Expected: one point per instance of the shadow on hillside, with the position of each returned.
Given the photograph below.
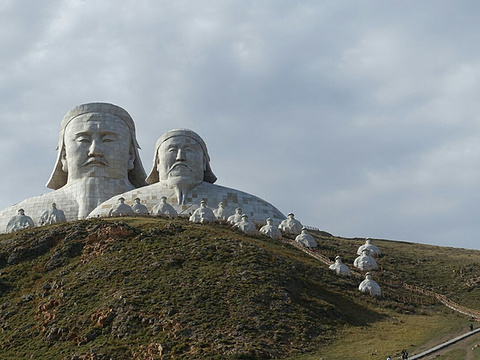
(353, 313)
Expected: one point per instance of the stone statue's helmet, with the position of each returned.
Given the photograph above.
(136, 176)
(208, 175)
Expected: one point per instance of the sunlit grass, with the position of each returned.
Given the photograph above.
(389, 337)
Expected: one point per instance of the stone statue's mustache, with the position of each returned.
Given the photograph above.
(95, 160)
(178, 163)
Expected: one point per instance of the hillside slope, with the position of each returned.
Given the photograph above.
(150, 288)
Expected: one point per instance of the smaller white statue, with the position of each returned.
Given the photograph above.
(52, 216)
(138, 208)
(164, 208)
(233, 219)
(246, 226)
(365, 262)
(339, 267)
(373, 250)
(221, 213)
(270, 229)
(306, 239)
(370, 286)
(290, 225)
(19, 222)
(203, 214)
(121, 209)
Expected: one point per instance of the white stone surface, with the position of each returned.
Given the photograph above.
(373, 250)
(291, 225)
(269, 229)
(181, 172)
(52, 216)
(221, 212)
(246, 226)
(164, 208)
(121, 209)
(339, 267)
(203, 214)
(365, 262)
(369, 286)
(97, 159)
(306, 239)
(138, 208)
(19, 222)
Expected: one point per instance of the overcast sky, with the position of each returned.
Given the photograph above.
(361, 117)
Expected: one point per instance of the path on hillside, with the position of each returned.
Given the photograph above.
(439, 297)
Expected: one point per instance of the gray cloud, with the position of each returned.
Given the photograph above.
(359, 117)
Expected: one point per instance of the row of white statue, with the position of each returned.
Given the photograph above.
(22, 221)
(364, 262)
(203, 214)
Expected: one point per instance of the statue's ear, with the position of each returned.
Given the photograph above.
(63, 159)
(205, 160)
(131, 159)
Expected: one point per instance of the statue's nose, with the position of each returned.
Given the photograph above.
(95, 149)
(180, 155)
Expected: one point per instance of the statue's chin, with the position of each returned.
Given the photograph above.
(181, 182)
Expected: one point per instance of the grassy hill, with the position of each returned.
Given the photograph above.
(151, 288)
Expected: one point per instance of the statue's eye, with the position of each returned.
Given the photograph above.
(108, 138)
(83, 139)
(172, 149)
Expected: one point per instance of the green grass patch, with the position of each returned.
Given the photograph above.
(138, 288)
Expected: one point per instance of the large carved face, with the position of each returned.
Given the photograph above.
(97, 145)
(181, 162)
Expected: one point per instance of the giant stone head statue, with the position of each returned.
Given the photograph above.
(97, 140)
(181, 159)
